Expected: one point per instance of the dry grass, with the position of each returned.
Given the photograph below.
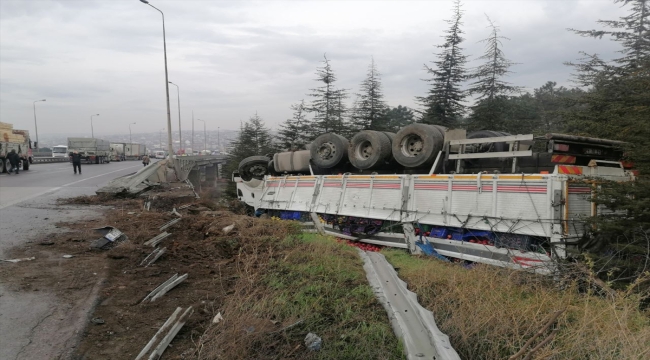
(287, 289)
(489, 313)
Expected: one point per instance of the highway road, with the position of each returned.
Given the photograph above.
(38, 325)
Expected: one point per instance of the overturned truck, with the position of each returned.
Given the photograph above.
(516, 201)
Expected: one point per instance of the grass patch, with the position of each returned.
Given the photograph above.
(305, 283)
(490, 312)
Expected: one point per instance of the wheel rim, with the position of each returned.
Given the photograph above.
(412, 145)
(364, 150)
(257, 170)
(327, 151)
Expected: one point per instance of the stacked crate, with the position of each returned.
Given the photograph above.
(8, 134)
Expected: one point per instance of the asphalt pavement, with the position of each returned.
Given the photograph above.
(32, 324)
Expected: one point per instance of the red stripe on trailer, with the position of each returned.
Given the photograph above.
(386, 186)
(273, 184)
(579, 190)
(522, 189)
(464, 188)
(289, 184)
(430, 187)
(358, 186)
(333, 184)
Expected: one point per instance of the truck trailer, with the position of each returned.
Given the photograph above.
(134, 151)
(14, 139)
(486, 199)
(92, 150)
(117, 151)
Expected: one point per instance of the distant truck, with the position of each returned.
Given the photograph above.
(117, 151)
(92, 150)
(134, 151)
(17, 140)
(60, 151)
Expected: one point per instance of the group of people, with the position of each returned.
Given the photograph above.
(14, 161)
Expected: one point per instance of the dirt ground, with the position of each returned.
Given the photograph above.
(121, 325)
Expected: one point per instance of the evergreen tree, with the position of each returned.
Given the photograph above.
(370, 106)
(443, 104)
(617, 106)
(293, 134)
(492, 91)
(325, 102)
(398, 117)
(632, 31)
(254, 138)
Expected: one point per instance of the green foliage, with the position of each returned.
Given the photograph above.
(253, 139)
(398, 117)
(443, 105)
(328, 105)
(369, 112)
(293, 133)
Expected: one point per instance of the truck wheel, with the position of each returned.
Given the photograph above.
(328, 150)
(254, 167)
(418, 144)
(489, 147)
(369, 149)
(25, 164)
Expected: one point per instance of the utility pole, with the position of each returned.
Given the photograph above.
(35, 125)
(192, 142)
(180, 136)
(92, 131)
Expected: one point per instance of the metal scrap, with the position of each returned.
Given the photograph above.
(171, 327)
(151, 258)
(19, 260)
(169, 223)
(174, 212)
(153, 242)
(111, 235)
(163, 288)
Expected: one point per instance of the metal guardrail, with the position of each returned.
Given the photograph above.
(43, 160)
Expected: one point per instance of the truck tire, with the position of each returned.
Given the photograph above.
(254, 167)
(328, 150)
(417, 145)
(369, 149)
(493, 147)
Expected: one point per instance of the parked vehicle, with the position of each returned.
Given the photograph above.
(92, 150)
(117, 151)
(484, 197)
(13, 139)
(60, 151)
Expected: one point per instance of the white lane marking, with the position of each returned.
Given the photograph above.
(59, 187)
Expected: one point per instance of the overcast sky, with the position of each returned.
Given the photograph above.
(232, 58)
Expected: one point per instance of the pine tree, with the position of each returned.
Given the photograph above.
(341, 124)
(325, 102)
(370, 108)
(492, 91)
(254, 138)
(293, 134)
(444, 103)
(632, 31)
(398, 117)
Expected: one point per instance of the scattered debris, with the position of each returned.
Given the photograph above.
(184, 206)
(165, 287)
(169, 223)
(67, 256)
(217, 319)
(147, 205)
(151, 258)
(172, 326)
(46, 242)
(19, 260)
(130, 213)
(313, 342)
(228, 229)
(174, 212)
(153, 242)
(111, 235)
(98, 321)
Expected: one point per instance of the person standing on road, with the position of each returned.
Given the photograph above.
(146, 160)
(76, 161)
(14, 161)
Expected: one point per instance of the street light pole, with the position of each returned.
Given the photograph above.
(169, 118)
(130, 140)
(36, 126)
(180, 136)
(205, 137)
(192, 142)
(92, 131)
(218, 141)
(160, 135)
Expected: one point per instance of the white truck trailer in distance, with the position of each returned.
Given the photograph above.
(92, 150)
